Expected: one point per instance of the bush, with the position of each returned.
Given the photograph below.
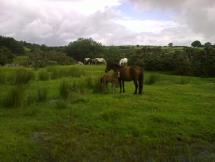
(152, 79)
(21, 60)
(15, 97)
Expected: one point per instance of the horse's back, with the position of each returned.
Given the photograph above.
(131, 73)
(136, 71)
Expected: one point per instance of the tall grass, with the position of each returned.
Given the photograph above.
(41, 94)
(43, 75)
(56, 73)
(21, 76)
(64, 89)
(2, 77)
(15, 97)
(95, 86)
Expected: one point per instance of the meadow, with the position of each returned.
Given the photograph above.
(61, 113)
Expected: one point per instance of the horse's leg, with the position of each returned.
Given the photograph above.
(136, 86)
(123, 85)
(120, 85)
(141, 83)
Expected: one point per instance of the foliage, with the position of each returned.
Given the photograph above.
(6, 57)
(15, 97)
(14, 46)
(82, 48)
(196, 44)
(184, 61)
(21, 60)
(152, 79)
(41, 59)
(208, 44)
(170, 44)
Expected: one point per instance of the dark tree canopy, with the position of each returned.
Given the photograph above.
(6, 56)
(196, 43)
(82, 48)
(14, 46)
(170, 44)
(208, 44)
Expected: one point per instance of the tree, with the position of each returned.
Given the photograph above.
(170, 44)
(82, 48)
(196, 43)
(5, 56)
(14, 46)
(208, 44)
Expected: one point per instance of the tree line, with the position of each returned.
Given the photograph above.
(30, 54)
(197, 60)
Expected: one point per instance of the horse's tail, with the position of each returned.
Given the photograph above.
(141, 82)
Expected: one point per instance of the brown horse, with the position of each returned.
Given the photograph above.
(109, 78)
(128, 73)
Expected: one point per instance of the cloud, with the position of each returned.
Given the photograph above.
(57, 22)
(196, 15)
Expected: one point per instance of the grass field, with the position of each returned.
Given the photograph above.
(60, 114)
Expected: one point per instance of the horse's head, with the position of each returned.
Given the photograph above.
(111, 66)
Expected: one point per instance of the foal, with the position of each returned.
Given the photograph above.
(109, 78)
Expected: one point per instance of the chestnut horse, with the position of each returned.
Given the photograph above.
(109, 78)
(128, 73)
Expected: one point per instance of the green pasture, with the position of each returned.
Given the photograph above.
(61, 113)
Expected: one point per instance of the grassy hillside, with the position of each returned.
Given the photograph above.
(60, 114)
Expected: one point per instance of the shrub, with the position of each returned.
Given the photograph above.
(15, 97)
(152, 79)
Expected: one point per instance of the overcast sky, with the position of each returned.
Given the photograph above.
(111, 22)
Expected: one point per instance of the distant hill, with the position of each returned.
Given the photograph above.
(22, 47)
